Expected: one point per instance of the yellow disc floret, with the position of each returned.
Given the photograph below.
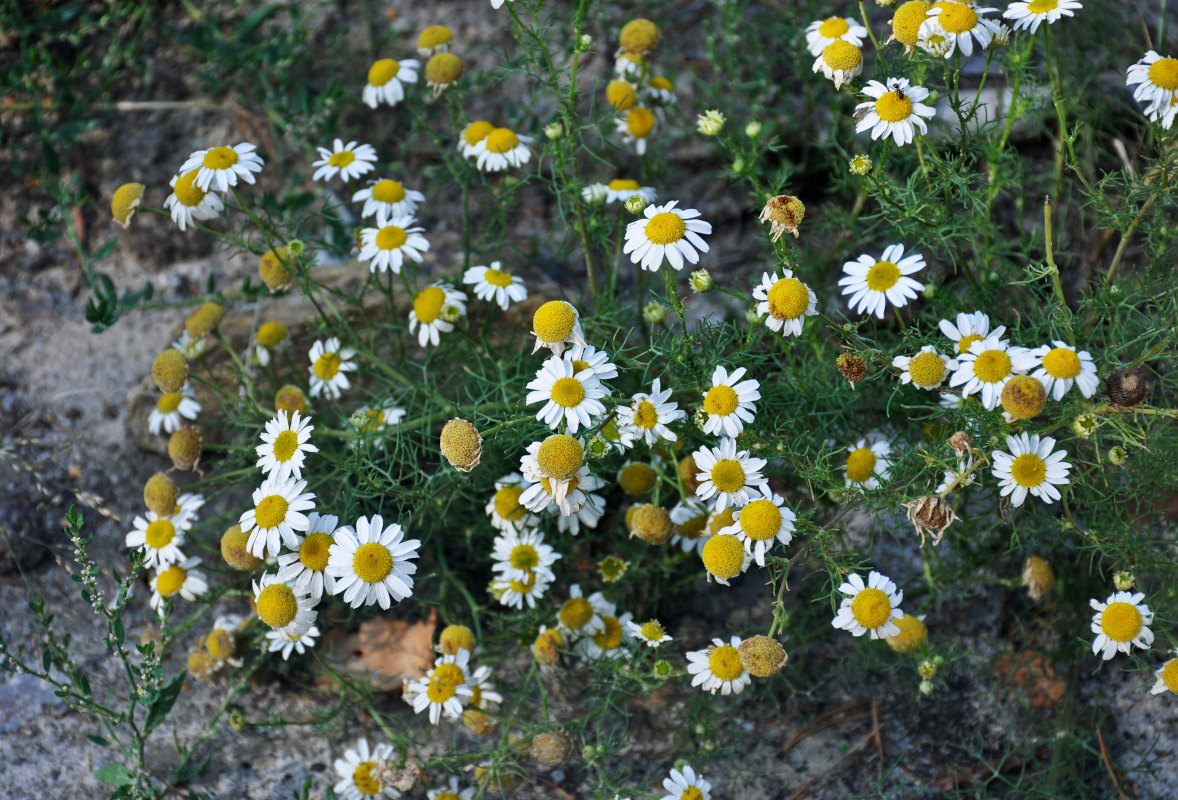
(1121, 622)
(277, 605)
(171, 580)
(1163, 73)
(502, 140)
(882, 276)
(728, 475)
(907, 20)
(219, 158)
(567, 392)
(290, 398)
(956, 18)
(159, 533)
(842, 56)
(271, 511)
(170, 371)
(833, 28)
(554, 321)
(861, 465)
(186, 190)
(1023, 396)
(454, 638)
(159, 494)
(362, 778)
(1061, 362)
(639, 122)
(637, 479)
(233, 550)
(724, 662)
(926, 369)
(461, 444)
(271, 334)
(315, 551)
(991, 366)
(665, 228)
(373, 562)
(560, 456)
(427, 306)
(443, 69)
(274, 269)
(620, 95)
(762, 656)
(391, 237)
(575, 613)
(388, 191)
(184, 448)
(476, 131)
(611, 637)
(871, 607)
(760, 520)
(721, 400)
(650, 523)
(1170, 675)
(1028, 470)
(125, 201)
(434, 36)
(788, 299)
(723, 556)
(893, 106)
(912, 636)
(639, 36)
(383, 71)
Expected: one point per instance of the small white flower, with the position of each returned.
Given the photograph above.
(987, 367)
(218, 168)
(506, 511)
(969, 328)
(730, 402)
(821, 33)
(648, 415)
(727, 475)
(716, 668)
(429, 312)
(330, 365)
(1167, 677)
(925, 370)
(666, 233)
(868, 462)
(1049, 11)
(686, 785)
(495, 285)
(895, 110)
(960, 24)
(277, 516)
(760, 522)
(285, 443)
(650, 632)
(503, 148)
(555, 324)
(188, 203)
(445, 689)
(372, 564)
(620, 190)
(171, 409)
(1059, 366)
(872, 284)
(388, 199)
(388, 246)
(160, 538)
(387, 79)
(1121, 623)
(871, 607)
(183, 579)
(569, 396)
(1030, 468)
(517, 554)
(305, 569)
(349, 161)
(279, 642)
(786, 301)
(360, 772)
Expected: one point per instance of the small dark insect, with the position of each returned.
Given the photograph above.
(898, 89)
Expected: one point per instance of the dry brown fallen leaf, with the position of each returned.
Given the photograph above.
(389, 651)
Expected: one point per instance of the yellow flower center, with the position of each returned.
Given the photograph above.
(871, 608)
(124, 202)
(760, 520)
(327, 365)
(451, 795)
(220, 158)
(159, 534)
(388, 191)
(639, 122)
(383, 71)
(1170, 675)
(912, 636)
(956, 18)
(1042, 6)
(271, 511)
(842, 56)
(728, 475)
(620, 95)
(277, 605)
(720, 400)
(721, 520)
(433, 36)
(1028, 470)
(390, 237)
(507, 503)
(906, 22)
(443, 69)
(860, 465)
(693, 528)
(373, 562)
(525, 585)
(833, 27)
(168, 403)
(315, 551)
(611, 637)
(788, 299)
(271, 334)
(1121, 622)
(724, 662)
(966, 342)
(665, 228)
(497, 277)
(219, 644)
(502, 140)
(882, 276)
(560, 456)
(286, 444)
(451, 674)
(186, 190)
(893, 107)
(440, 691)
(567, 392)
(1061, 363)
(171, 580)
(661, 84)
(652, 631)
(477, 131)
(645, 415)
(575, 613)
(554, 321)
(927, 369)
(524, 556)
(636, 479)
(1163, 73)
(992, 366)
(362, 777)
(692, 793)
(624, 185)
(341, 159)
(428, 304)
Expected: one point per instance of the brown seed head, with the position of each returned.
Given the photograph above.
(461, 444)
(233, 550)
(854, 368)
(784, 214)
(931, 515)
(1038, 577)
(650, 523)
(1128, 387)
(762, 656)
(551, 748)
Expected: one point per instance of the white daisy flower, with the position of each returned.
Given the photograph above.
(305, 568)
(689, 519)
(330, 365)
(494, 285)
(349, 161)
(388, 246)
(607, 642)
(1029, 15)
(360, 772)
(840, 62)
(961, 24)
(171, 409)
(717, 668)
(987, 367)
(635, 128)
(371, 421)
(580, 615)
(183, 579)
(1060, 366)
(727, 476)
(159, 538)
(285, 443)
(651, 632)
(555, 324)
(1030, 468)
(434, 310)
(559, 460)
(666, 234)
(648, 415)
(506, 511)
(184, 515)
(925, 370)
(630, 66)
(589, 514)
(870, 608)
(445, 689)
(586, 357)
(277, 516)
(730, 402)
(1156, 79)
(270, 338)
(514, 593)
(372, 563)
(760, 522)
(568, 498)
(474, 137)
(279, 642)
(519, 553)
(482, 691)
(658, 92)
(1167, 677)
(452, 792)
(188, 203)
(503, 148)
(786, 301)
(569, 396)
(388, 199)
(218, 168)
(895, 110)
(868, 462)
(1120, 623)
(387, 79)
(872, 284)
(822, 33)
(620, 190)
(686, 785)
(970, 328)
(191, 348)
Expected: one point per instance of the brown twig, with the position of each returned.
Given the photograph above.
(832, 718)
(1108, 764)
